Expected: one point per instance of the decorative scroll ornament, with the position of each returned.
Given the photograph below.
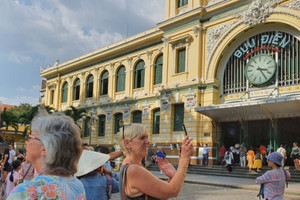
(146, 110)
(165, 102)
(257, 12)
(126, 113)
(295, 5)
(108, 114)
(214, 35)
(190, 99)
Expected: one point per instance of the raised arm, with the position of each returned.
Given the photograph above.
(138, 178)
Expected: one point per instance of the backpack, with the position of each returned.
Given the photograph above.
(226, 157)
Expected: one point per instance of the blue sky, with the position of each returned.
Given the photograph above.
(35, 33)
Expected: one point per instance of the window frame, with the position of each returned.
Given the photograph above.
(139, 75)
(64, 92)
(156, 124)
(158, 69)
(104, 83)
(101, 131)
(178, 109)
(120, 79)
(180, 69)
(118, 117)
(76, 90)
(137, 116)
(89, 86)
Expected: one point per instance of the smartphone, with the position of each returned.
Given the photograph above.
(184, 129)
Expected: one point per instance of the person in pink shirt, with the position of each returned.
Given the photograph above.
(12, 179)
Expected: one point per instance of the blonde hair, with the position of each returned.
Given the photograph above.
(130, 132)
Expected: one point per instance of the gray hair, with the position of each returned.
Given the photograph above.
(130, 132)
(61, 139)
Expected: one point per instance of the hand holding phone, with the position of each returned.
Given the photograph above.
(184, 129)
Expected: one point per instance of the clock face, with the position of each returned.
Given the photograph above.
(260, 69)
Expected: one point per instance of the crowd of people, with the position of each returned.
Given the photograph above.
(58, 166)
(255, 158)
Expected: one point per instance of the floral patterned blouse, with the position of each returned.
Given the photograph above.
(49, 187)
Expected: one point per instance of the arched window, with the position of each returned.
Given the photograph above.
(102, 119)
(89, 87)
(104, 83)
(156, 121)
(139, 73)
(118, 118)
(285, 52)
(76, 90)
(137, 117)
(121, 79)
(158, 70)
(64, 93)
(87, 127)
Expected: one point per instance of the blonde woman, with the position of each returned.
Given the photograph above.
(136, 182)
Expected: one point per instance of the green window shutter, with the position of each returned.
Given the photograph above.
(178, 116)
(181, 60)
(104, 83)
(76, 90)
(89, 87)
(65, 93)
(139, 74)
(102, 121)
(87, 127)
(118, 117)
(137, 117)
(121, 79)
(156, 121)
(158, 70)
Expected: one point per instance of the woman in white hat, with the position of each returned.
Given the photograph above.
(97, 181)
(274, 180)
(54, 149)
(136, 182)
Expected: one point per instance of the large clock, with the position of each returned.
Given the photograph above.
(260, 69)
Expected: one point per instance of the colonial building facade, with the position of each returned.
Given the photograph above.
(228, 69)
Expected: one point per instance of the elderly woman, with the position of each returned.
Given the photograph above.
(136, 182)
(53, 148)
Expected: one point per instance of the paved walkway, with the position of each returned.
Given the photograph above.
(231, 182)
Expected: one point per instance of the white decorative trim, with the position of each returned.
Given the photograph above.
(126, 112)
(190, 99)
(257, 12)
(295, 5)
(146, 109)
(165, 102)
(108, 114)
(196, 30)
(165, 40)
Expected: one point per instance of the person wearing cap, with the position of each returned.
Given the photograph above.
(136, 182)
(274, 180)
(53, 148)
(97, 181)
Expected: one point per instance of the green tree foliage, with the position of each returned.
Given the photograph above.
(75, 113)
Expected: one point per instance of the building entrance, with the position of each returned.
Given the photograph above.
(249, 133)
(261, 132)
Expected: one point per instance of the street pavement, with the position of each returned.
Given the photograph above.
(222, 187)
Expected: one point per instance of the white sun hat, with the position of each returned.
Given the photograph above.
(89, 161)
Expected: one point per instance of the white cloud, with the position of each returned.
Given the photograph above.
(20, 89)
(35, 88)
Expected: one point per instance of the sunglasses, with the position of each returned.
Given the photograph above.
(29, 137)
